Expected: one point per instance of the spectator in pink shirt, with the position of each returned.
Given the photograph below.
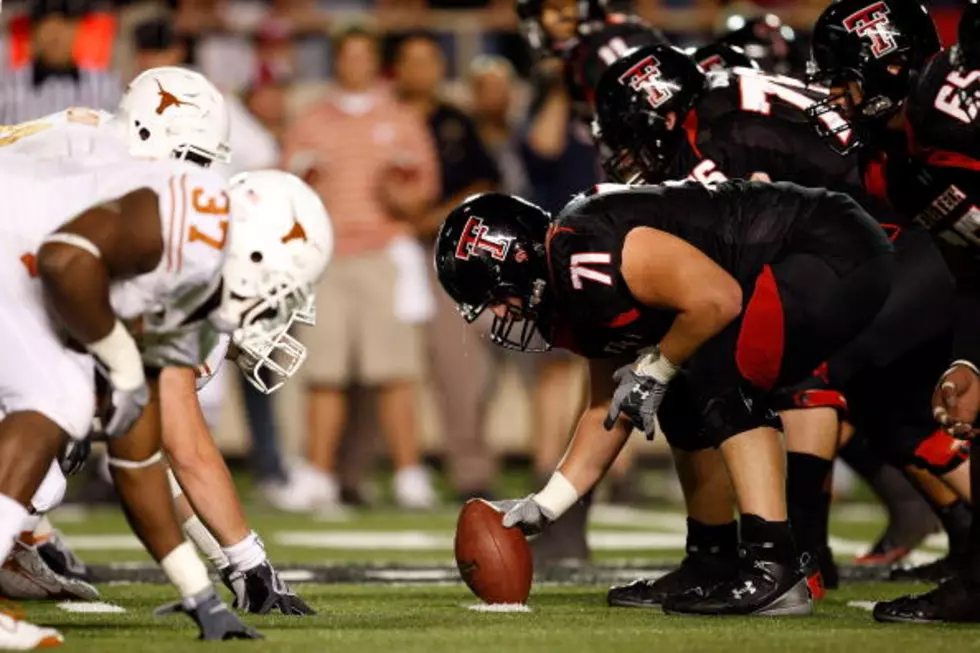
(374, 166)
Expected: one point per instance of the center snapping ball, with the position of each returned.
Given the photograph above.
(495, 562)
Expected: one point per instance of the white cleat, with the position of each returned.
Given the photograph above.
(19, 635)
(25, 576)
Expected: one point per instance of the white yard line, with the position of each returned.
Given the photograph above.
(91, 607)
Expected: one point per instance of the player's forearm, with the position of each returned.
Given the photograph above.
(692, 328)
(196, 461)
(77, 287)
(592, 449)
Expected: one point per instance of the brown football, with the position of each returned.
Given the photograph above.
(495, 562)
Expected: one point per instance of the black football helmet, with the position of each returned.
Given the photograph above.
(764, 39)
(968, 52)
(719, 56)
(529, 13)
(878, 44)
(491, 250)
(633, 101)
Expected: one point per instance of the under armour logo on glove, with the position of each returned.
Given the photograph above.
(638, 398)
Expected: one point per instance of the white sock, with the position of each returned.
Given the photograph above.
(195, 529)
(185, 570)
(247, 554)
(12, 516)
(44, 529)
(30, 523)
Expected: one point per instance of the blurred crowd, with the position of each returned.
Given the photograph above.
(393, 112)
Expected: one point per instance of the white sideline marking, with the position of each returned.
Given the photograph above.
(430, 541)
(296, 575)
(412, 575)
(90, 607)
(498, 607)
(862, 605)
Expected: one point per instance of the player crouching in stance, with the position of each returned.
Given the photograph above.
(87, 244)
(702, 302)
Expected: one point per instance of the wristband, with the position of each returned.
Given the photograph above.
(557, 496)
(655, 365)
(119, 353)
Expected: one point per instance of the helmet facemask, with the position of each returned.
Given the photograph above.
(837, 120)
(268, 354)
(638, 155)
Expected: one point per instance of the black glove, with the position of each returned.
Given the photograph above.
(265, 592)
(211, 615)
(234, 580)
(637, 397)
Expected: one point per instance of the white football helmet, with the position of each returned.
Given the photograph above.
(280, 242)
(175, 112)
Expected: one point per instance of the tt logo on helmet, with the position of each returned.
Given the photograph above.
(872, 23)
(645, 77)
(475, 238)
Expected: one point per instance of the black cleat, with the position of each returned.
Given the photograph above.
(61, 559)
(266, 592)
(212, 616)
(828, 568)
(933, 572)
(698, 573)
(760, 587)
(951, 602)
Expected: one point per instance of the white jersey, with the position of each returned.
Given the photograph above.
(56, 168)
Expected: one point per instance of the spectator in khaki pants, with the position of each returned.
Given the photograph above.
(373, 164)
(467, 169)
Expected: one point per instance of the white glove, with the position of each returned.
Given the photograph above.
(121, 363)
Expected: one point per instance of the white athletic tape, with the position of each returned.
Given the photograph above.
(136, 464)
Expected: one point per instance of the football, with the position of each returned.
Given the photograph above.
(495, 562)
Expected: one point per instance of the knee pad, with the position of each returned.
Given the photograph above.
(734, 412)
(812, 392)
(51, 492)
(941, 453)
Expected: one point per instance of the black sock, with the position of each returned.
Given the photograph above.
(769, 540)
(716, 540)
(807, 499)
(956, 518)
(860, 457)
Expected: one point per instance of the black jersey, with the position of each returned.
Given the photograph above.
(740, 225)
(942, 128)
(748, 121)
(599, 46)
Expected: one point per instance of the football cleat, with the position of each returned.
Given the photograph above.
(760, 588)
(25, 575)
(19, 635)
(61, 559)
(265, 592)
(698, 573)
(934, 572)
(951, 602)
(211, 615)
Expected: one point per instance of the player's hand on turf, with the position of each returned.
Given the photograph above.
(956, 400)
(213, 617)
(266, 592)
(525, 514)
(637, 397)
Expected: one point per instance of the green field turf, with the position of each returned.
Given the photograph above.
(380, 619)
(433, 618)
